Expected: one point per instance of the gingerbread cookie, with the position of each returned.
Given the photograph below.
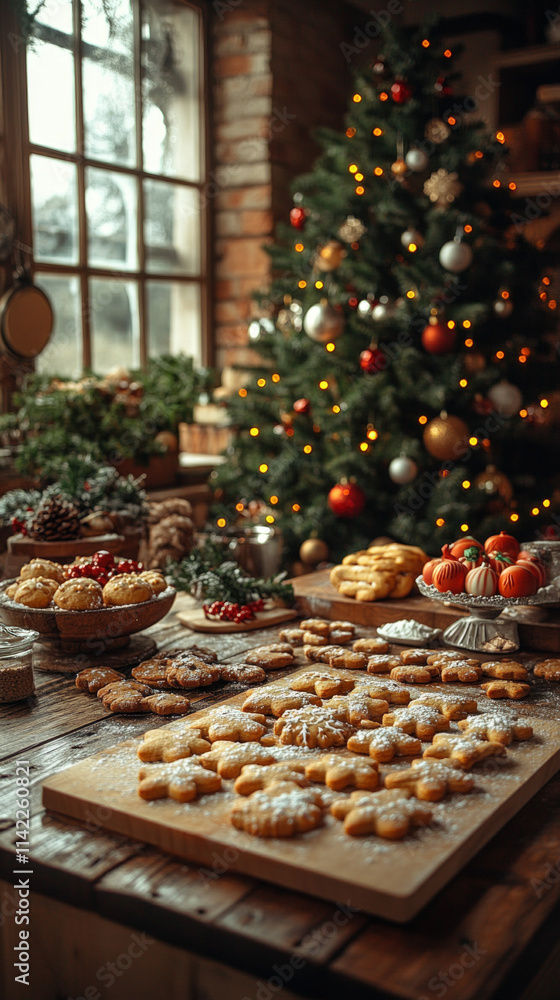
(383, 664)
(421, 720)
(465, 750)
(171, 744)
(185, 670)
(340, 636)
(281, 810)
(125, 696)
(384, 743)
(416, 657)
(505, 670)
(275, 700)
(126, 588)
(506, 689)
(292, 636)
(153, 673)
(272, 657)
(496, 727)
(201, 653)
(44, 568)
(312, 639)
(336, 656)
(391, 691)
(338, 772)
(322, 684)
(371, 646)
(227, 723)
(93, 678)
(549, 669)
(77, 595)
(414, 674)
(183, 780)
(320, 626)
(461, 672)
(228, 758)
(453, 706)
(441, 657)
(241, 673)
(166, 703)
(390, 814)
(313, 727)
(253, 777)
(359, 706)
(431, 780)
(37, 592)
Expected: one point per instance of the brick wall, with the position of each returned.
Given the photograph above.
(278, 74)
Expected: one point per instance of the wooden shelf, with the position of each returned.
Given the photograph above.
(537, 182)
(530, 56)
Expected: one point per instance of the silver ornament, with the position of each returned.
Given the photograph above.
(503, 308)
(383, 309)
(412, 237)
(403, 470)
(351, 230)
(505, 397)
(322, 322)
(260, 327)
(416, 160)
(455, 256)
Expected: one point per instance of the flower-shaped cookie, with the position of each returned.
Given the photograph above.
(321, 683)
(465, 750)
(171, 744)
(228, 758)
(422, 720)
(281, 810)
(358, 706)
(275, 699)
(389, 814)
(183, 780)
(253, 777)
(453, 706)
(337, 772)
(431, 779)
(497, 727)
(384, 743)
(227, 723)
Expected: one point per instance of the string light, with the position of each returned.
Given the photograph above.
(546, 280)
(523, 414)
(469, 342)
(425, 43)
(296, 507)
(358, 177)
(378, 171)
(500, 355)
(360, 189)
(318, 284)
(384, 96)
(473, 441)
(364, 446)
(307, 449)
(451, 324)
(273, 499)
(544, 403)
(479, 154)
(496, 183)
(254, 432)
(505, 294)
(357, 98)
(500, 137)
(448, 53)
(372, 434)
(552, 304)
(275, 377)
(514, 517)
(350, 132)
(546, 503)
(330, 347)
(242, 393)
(467, 228)
(323, 384)
(522, 359)
(466, 484)
(289, 432)
(467, 324)
(221, 522)
(316, 429)
(411, 294)
(535, 511)
(464, 527)
(512, 186)
(451, 120)
(263, 467)
(353, 168)
(269, 519)
(302, 284)
(336, 408)
(412, 247)
(463, 383)
(486, 442)
(261, 382)
(440, 522)
(299, 247)
(422, 420)
(377, 131)
(239, 507)
(355, 246)
(543, 296)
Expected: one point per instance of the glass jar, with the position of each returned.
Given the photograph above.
(16, 663)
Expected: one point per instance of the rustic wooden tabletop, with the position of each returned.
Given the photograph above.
(493, 932)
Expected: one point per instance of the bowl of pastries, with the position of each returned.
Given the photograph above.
(95, 597)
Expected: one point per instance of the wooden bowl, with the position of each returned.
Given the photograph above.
(105, 628)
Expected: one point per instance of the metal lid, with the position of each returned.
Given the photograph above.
(15, 640)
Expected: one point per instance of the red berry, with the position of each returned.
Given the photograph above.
(103, 558)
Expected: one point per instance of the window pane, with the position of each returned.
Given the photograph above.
(171, 119)
(171, 228)
(54, 14)
(173, 318)
(108, 82)
(115, 336)
(53, 200)
(50, 93)
(63, 353)
(111, 206)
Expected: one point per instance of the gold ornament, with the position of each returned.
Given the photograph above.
(436, 131)
(351, 230)
(399, 168)
(474, 362)
(313, 551)
(442, 187)
(330, 256)
(491, 481)
(446, 437)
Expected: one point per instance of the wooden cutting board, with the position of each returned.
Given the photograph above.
(389, 879)
(197, 620)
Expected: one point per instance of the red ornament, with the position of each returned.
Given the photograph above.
(481, 582)
(517, 581)
(502, 543)
(298, 217)
(346, 500)
(437, 338)
(372, 360)
(302, 406)
(459, 547)
(442, 87)
(401, 92)
(534, 564)
(428, 570)
(450, 575)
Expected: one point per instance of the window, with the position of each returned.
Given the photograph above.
(112, 166)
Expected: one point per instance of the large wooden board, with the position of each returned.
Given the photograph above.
(197, 620)
(316, 596)
(392, 880)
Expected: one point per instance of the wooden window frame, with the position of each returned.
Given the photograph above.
(17, 180)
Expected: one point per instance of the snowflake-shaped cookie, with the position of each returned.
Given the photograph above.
(313, 727)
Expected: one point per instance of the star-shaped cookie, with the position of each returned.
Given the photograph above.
(183, 780)
(337, 772)
(453, 706)
(497, 727)
(253, 777)
(431, 779)
(275, 699)
(321, 683)
(389, 814)
(358, 706)
(422, 720)
(228, 758)
(384, 743)
(227, 723)
(171, 744)
(465, 750)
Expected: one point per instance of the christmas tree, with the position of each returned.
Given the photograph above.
(408, 375)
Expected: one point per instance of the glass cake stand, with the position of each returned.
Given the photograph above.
(483, 630)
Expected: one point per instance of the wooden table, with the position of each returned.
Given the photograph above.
(108, 913)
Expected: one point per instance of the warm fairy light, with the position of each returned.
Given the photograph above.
(543, 296)
(505, 294)
(469, 342)
(336, 408)
(411, 294)
(500, 355)
(463, 383)
(422, 420)
(302, 284)
(242, 393)
(486, 442)
(273, 498)
(546, 503)
(522, 359)
(239, 507)
(377, 131)
(544, 403)
(546, 280)
(500, 137)
(318, 284)
(263, 467)
(353, 168)
(307, 449)
(378, 171)
(473, 440)
(316, 429)
(440, 522)
(299, 247)
(275, 377)
(350, 133)
(467, 324)
(535, 511)
(479, 154)
(269, 519)
(360, 189)
(221, 522)
(359, 177)
(357, 98)
(296, 507)
(448, 53)
(364, 446)
(355, 246)
(425, 43)
(261, 382)
(512, 186)
(464, 527)
(451, 324)
(289, 432)
(523, 414)
(466, 484)
(330, 347)
(353, 302)
(384, 96)
(323, 384)
(496, 183)
(372, 434)
(467, 229)
(514, 517)
(451, 120)
(254, 432)
(552, 304)
(412, 247)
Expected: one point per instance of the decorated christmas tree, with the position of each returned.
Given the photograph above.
(408, 376)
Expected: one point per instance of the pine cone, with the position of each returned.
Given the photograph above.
(164, 508)
(55, 520)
